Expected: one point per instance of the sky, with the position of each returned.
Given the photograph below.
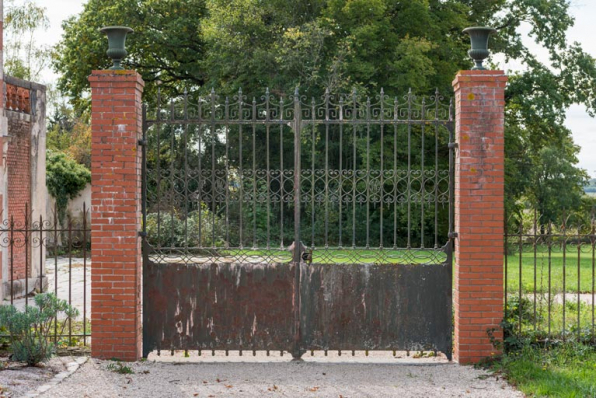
(578, 121)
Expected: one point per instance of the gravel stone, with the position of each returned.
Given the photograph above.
(248, 376)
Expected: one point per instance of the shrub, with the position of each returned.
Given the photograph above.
(176, 231)
(65, 178)
(29, 331)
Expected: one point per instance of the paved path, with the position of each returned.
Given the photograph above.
(69, 287)
(279, 377)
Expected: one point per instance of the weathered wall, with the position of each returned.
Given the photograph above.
(24, 171)
(75, 208)
(19, 188)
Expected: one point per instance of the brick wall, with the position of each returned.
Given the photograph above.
(479, 213)
(18, 162)
(116, 214)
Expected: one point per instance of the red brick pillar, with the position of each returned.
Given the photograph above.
(116, 124)
(479, 213)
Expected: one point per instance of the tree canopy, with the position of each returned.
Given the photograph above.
(345, 44)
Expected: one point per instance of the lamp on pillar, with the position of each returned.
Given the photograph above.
(116, 44)
(479, 38)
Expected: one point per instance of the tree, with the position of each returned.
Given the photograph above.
(23, 57)
(70, 133)
(166, 45)
(65, 178)
(558, 184)
(341, 44)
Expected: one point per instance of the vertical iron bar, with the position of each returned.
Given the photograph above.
(382, 170)
(506, 255)
(296, 254)
(535, 264)
(550, 248)
(69, 278)
(254, 173)
(564, 270)
(41, 260)
(158, 167)
(354, 166)
(312, 177)
(227, 165)
(409, 198)
(85, 249)
(268, 166)
(326, 169)
(579, 308)
(436, 190)
(341, 174)
(11, 260)
(172, 177)
(422, 179)
(368, 173)
(281, 173)
(240, 169)
(186, 201)
(213, 177)
(521, 249)
(56, 268)
(395, 172)
(200, 172)
(26, 238)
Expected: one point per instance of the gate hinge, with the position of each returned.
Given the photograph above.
(142, 142)
(453, 235)
(453, 145)
(142, 234)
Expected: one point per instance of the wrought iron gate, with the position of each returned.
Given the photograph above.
(295, 225)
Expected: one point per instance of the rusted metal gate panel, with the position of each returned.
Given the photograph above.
(218, 307)
(376, 307)
(294, 225)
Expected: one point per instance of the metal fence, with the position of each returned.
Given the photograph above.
(42, 254)
(550, 269)
(355, 179)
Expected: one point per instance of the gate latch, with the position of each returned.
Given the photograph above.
(305, 254)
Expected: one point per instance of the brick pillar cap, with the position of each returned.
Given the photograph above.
(116, 76)
(479, 76)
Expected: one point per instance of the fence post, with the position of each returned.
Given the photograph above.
(116, 123)
(479, 213)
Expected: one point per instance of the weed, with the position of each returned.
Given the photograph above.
(118, 367)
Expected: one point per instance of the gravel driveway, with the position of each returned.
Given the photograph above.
(279, 377)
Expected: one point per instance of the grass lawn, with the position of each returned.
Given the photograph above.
(539, 269)
(566, 371)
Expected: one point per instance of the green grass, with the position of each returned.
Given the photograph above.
(539, 269)
(566, 371)
(565, 321)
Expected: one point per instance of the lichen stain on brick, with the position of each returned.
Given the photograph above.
(471, 96)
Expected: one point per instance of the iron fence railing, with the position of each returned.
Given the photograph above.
(550, 277)
(43, 254)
